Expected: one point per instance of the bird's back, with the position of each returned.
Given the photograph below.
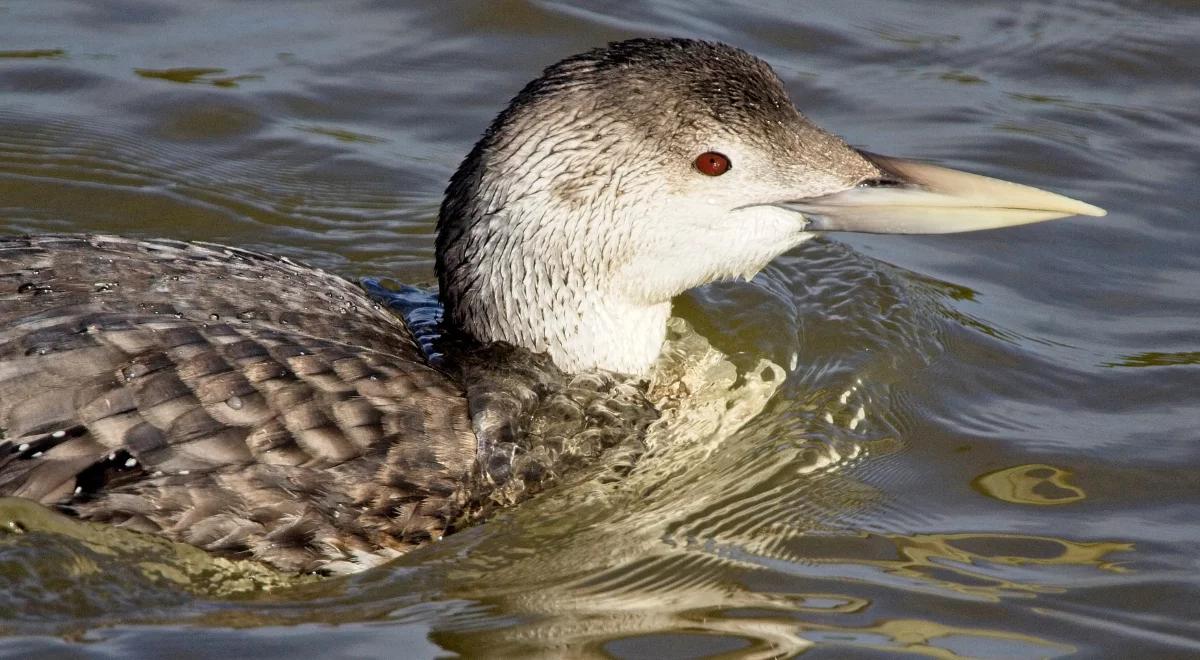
(235, 401)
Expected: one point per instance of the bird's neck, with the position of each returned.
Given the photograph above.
(608, 333)
(581, 324)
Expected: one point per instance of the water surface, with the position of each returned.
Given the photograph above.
(984, 446)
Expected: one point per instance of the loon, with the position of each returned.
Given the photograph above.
(258, 408)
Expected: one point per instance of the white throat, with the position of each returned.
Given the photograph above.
(616, 335)
(528, 281)
(592, 290)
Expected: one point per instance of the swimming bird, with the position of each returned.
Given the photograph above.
(260, 408)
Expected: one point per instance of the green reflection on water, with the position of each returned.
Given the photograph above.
(195, 75)
(962, 77)
(1156, 359)
(947, 289)
(47, 54)
(342, 135)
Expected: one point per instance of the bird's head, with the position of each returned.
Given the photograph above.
(628, 174)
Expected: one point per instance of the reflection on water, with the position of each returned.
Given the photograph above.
(1157, 359)
(198, 75)
(1030, 484)
(941, 446)
(48, 53)
(55, 567)
(701, 538)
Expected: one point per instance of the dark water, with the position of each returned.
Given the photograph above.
(986, 445)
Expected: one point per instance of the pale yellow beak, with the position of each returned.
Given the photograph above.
(919, 198)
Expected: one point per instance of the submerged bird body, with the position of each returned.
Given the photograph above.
(252, 406)
(255, 407)
(232, 400)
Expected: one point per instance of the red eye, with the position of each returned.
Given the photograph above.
(712, 163)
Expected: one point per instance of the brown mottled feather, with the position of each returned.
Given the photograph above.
(228, 399)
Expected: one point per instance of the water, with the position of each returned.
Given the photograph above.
(985, 445)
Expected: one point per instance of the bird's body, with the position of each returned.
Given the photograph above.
(256, 407)
(301, 425)
(140, 385)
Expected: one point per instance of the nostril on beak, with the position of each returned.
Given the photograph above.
(880, 182)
